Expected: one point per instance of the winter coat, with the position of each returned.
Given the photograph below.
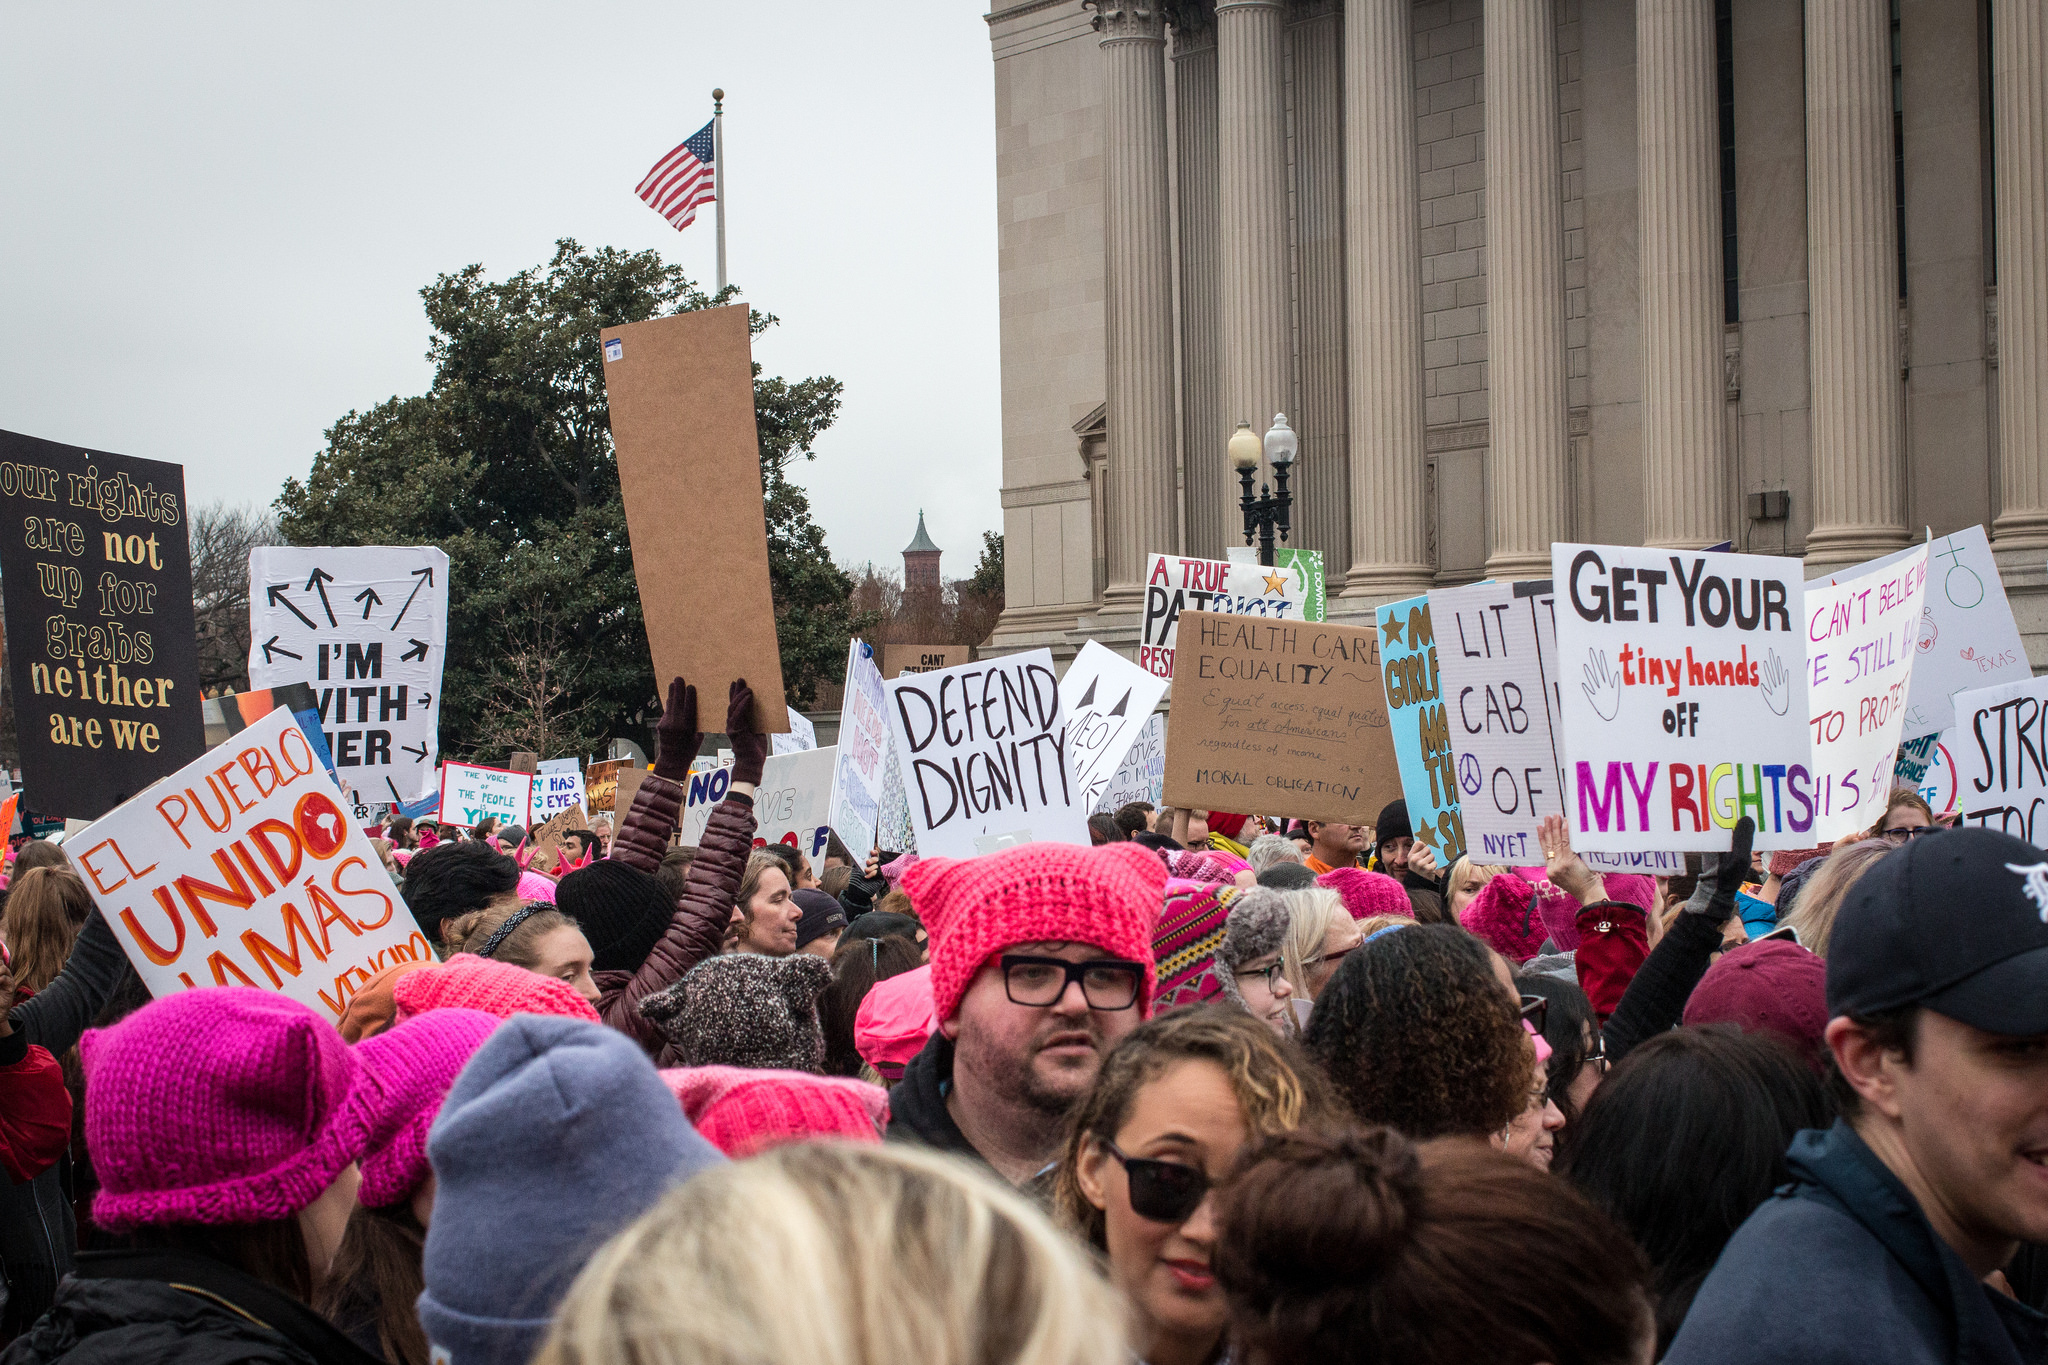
(1841, 1266)
(642, 837)
(1653, 997)
(173, 1308)
(696, 932)
(35, 1109)
(918, 1113)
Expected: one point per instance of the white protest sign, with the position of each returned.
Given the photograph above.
(1142, 774)
(1648, 864)
(1924, 765)
(710, 779)
(802, 734)
(864, 748)
(1682, 695)
(1496, 647)
(555, 789)
(983, 754)
(365, 627)
(895, 834)
(471, 794)
(790, 803)
(1174, 584)
(2000, 751)
(1107, 699)
(1968, 638)
(1861, 629)
(243, 869)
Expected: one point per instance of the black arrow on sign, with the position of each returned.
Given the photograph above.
(318, 580)
(375, 601)
(428, 581)
(418, 650)
(270, 648)
(426, 697)
(277, 599)
(408, 749)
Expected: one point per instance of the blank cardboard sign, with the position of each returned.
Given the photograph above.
(682, 404)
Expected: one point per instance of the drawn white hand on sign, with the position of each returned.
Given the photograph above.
(1602, 685)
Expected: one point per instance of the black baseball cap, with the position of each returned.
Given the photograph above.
(1956, 922)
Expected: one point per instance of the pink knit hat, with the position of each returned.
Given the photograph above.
(1107, 897)
(895, 1021)
(219, 1105)
(1367, 893)
(534, 887)
(742, 1112)
(1507, 915)
(413, 1064)
(467, 981)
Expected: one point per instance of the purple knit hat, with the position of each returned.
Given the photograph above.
(411, 1067)
(219, 1105)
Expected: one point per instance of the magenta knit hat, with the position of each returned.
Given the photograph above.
(1366, 894)
(413, 1065)
(895, 1021)
(742, 1112)
(1507, 914)
(1106, 897)
(469, 982)
(219, 1105)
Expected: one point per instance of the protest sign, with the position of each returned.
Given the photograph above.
(1861, 631)
(1925, 765)
(1107, 699)
(895, 834)
(704, 788)
(983, 755)
(101, 648)
(242, 869)
(802, 734)
(1683, 698)
(366, 627)
(856, 811)
(792, 803)
(471, 794)
(1142, 774)
(1497, 674)
(1648, 864)
(546, 839)
(554, 791)
(902, 659)
(1174, 585)
(524, 761)
(627, 786)
(681, 392)
(1968, 638)
(1422, 734)
(1280, 717)
(601, 784)
(2000, 751)
(1308, 564)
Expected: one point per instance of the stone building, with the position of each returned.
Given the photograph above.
(1669, 272)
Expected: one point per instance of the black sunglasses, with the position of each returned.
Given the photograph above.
(1162, 1191)
(1106, 983)
(1536, 1010)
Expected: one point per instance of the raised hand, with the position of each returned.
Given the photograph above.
(749, 746)
(1774, 680)
(677, 733)
(1567, 871)
(1602, 685)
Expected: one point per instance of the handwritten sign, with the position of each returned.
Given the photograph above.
(864, 746)
(1286, 717)
(2000, 749)
(471, 794)
(1497, 665)
(1142, 774)
(1174, 584)
(1422, 731)
(802, 734)
(546, 839)
(1682, 697)
(601, 784)
(983, 754)
(1107, 700)
(1861, 631)
(243, 869)
(794, 801)
(926, 658)
(1925, 765)
(557, 786)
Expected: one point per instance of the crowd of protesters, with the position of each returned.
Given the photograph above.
(1219, 1088)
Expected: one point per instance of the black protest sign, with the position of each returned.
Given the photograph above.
(101, 647)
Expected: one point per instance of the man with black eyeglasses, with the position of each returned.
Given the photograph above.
(1041, 960)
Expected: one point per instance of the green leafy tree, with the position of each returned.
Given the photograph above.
(506, 463)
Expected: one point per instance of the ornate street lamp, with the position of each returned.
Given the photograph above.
(1262, 514)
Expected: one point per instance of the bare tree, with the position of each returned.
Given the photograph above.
(222, 537)
(523, 708)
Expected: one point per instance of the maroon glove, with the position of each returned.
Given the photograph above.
(679, 737)
(749, 746)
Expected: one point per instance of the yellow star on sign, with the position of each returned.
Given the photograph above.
(1276, 582)
(1392, 631)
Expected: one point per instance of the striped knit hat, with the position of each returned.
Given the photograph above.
(1190, 932)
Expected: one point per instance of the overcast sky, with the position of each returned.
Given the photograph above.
(215, 218)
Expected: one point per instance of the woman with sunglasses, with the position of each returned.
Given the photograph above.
(1173, 1106)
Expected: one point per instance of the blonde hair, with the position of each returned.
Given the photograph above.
(906, 1255)
(1486, 872)
(1310, 913)
(1813, 913)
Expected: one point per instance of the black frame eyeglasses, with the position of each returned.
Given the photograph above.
(1535, 1011)
(1905, 834)
(1272, 972)
(1115, 983)
(1161, 1191)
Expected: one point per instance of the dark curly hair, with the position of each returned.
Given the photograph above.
(1416, 1032)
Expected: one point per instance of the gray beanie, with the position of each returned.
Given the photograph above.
(1257, 926)
(744, 1009)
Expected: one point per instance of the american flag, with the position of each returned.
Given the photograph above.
(681, 180)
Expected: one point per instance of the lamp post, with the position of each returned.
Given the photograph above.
(1262, 514)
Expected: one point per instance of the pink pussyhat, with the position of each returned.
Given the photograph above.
(411, 1067)
(742, 1112)
(469, 982)
(219, 1105)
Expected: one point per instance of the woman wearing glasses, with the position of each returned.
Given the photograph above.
(1174, 1104)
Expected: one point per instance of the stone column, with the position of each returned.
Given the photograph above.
(1138, 303)
(2019, 93)
(1383, 322)
(1529, 456)
(1258, 332)
(1211, 488)
(1852, 256)
(1687, 484)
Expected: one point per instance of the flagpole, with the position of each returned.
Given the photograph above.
(718, 175)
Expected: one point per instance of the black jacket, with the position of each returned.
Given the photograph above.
(172, 1308)
(917, 1104)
